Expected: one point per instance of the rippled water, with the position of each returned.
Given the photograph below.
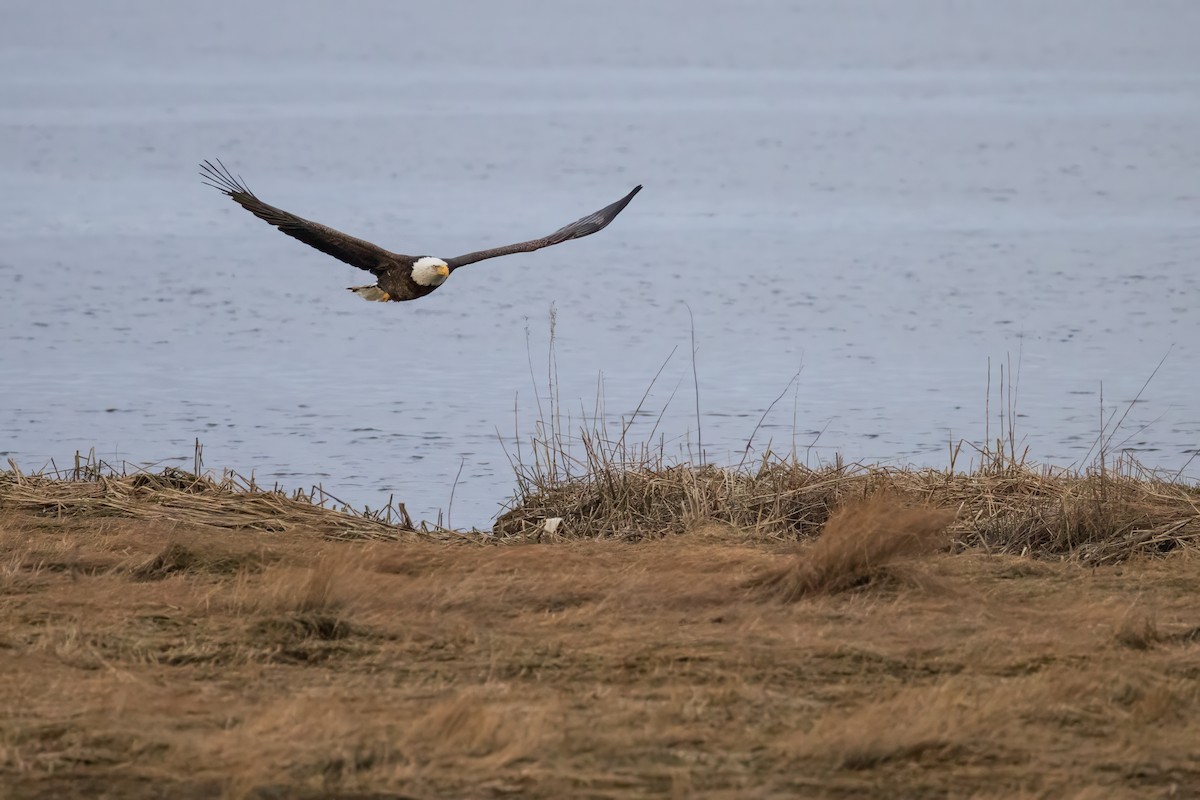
(882, 196)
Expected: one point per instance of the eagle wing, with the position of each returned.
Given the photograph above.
(341, 246)
(581, 227)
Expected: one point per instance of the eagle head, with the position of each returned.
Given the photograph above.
(430, 271)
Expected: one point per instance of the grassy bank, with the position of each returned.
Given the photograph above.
(845, 631)
(1096, 516)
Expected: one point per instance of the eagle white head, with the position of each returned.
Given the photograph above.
(430, 271)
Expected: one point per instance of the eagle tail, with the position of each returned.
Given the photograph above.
(371, 293)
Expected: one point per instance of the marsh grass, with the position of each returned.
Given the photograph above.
(1097, 516)
(587, 477)
(632, 493)
(94, 489)
(861, 544)
(941, 632)
(421, 668)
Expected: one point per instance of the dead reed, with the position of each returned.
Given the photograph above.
(92, 490)
(1093, 516)
(590, 478)
(616, 490)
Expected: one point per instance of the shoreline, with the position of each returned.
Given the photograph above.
(1096, 516)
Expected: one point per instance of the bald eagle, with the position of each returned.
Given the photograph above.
(398, 277)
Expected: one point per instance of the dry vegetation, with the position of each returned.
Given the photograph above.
(1096, 516)
(681, 633)
(93, 490)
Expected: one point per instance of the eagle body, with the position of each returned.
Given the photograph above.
(406, 278)
(397, 277)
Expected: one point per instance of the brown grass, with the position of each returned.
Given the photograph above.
(94, 491)
(1096, 516)
(584, 476)
(860, 544)
(150, 657)
(1100, 516)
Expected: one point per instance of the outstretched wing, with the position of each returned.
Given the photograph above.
(581, 227)
(361, 254)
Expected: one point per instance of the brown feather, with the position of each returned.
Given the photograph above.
(357, 252)
(592, 223)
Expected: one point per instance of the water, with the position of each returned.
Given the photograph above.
(885, 197)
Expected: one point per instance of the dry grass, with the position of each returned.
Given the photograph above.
(1097, 516)
(588, 478)
(1006, 632)
(973, 721)
(147, 657)
(860, 543)
(92, 490)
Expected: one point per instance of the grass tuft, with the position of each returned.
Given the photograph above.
(857, 546)
(174, 559)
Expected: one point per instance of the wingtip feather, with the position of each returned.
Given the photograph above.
(220, 178)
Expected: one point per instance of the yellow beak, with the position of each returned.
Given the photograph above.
(444, 271)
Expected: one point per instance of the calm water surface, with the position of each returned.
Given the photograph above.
(882, 196)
